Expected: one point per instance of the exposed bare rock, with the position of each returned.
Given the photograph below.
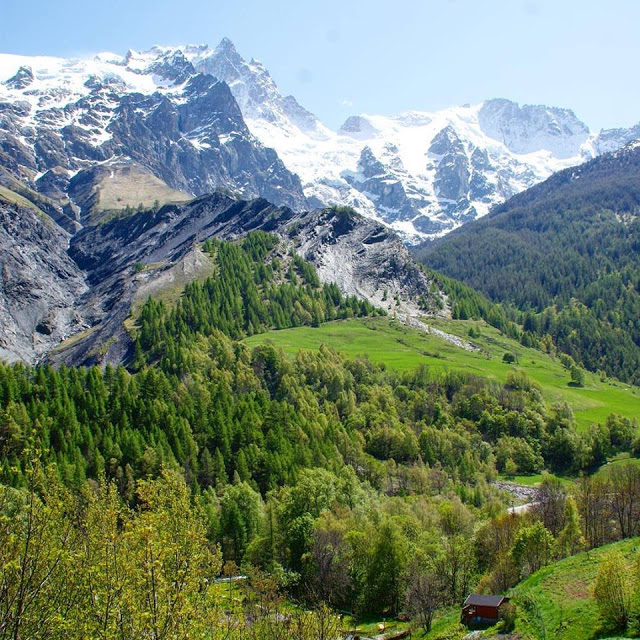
(39, 286)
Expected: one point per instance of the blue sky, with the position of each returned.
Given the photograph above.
(377, 56)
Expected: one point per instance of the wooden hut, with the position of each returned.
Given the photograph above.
(481, 610)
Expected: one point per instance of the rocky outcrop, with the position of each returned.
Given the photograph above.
(363, 258)
(22, 78)
(452, 173)
(378, 183)
(255, 90)
(614, 139)
(126, 259)
(40, 284)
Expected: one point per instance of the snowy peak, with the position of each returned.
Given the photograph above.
(532, 128)
(173, 67)
(422, 173)
(152, 110)
(21, 80)
(357, 127)
(251, 84)
(446, 141)
(255, 90)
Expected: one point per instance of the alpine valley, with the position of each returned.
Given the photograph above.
(263, 380)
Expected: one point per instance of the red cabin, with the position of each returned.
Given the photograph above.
(479, 610)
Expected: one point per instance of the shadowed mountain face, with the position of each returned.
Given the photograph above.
(547, 243)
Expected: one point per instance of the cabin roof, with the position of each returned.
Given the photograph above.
(479, 600)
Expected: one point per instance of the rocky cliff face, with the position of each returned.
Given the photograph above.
(39, 284)
(533, 128)
(155, 112)
(67, 298)
(613, 139)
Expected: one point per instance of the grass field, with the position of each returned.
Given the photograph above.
(557, 601)
(401, 348)
(534, 479)
(132, 186)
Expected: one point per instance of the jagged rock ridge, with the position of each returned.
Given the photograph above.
(155, 113)
(80, 289)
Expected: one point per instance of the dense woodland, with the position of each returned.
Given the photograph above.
(331, 481)
(567, 254)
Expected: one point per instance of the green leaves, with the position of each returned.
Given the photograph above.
(92, 568)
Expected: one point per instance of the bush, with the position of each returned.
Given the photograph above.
(508, 614)
(452, 633)
(613, 593)
(577, 376)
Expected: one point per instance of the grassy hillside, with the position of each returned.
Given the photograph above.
(133, 186)
(566, 252)
(557, 601)
(401, 348)
(7, 195)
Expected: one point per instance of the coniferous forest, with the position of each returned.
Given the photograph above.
(330, 485)
(564, 255)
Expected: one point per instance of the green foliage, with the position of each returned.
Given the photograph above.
(508, 615)
(612, 592)
(533, 547)
(400, 348)
(385, 573)
(469, 304)
(78, 568)
(577, 376)
(559, 601)
(565, 253)
(342, 479)
(244, 297)
(570, 539)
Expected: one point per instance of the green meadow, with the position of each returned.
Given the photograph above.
(389, 342)
(558, 602)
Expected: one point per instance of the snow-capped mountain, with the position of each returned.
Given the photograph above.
(422, 173)
(186, 120)
(180, 131)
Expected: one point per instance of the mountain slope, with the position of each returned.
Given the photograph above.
(150, 252)
(571, 243)
(558, 600)
(79, 288)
